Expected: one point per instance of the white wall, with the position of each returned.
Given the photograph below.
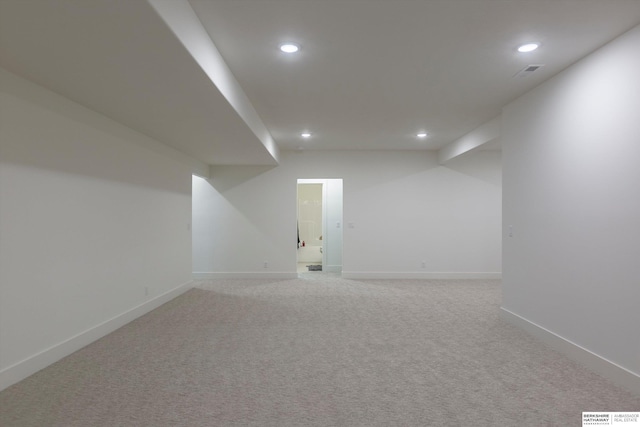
(403, 209)
(572, 194)
(94, 227)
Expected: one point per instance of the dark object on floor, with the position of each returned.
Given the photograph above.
(314, 267)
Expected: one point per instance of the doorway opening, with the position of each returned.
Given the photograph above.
(319, 223)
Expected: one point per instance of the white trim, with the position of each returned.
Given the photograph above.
(35, 363)
(418, 275)
(598, 364)
(210, 275)
(345, 274)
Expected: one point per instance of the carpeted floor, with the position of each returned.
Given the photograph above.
(316, 351)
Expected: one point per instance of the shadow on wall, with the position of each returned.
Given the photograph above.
(365, 169)
(479, 164)
(94, 137)
(224, 178)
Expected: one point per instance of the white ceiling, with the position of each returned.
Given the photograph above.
(370, 73)
(119, 58)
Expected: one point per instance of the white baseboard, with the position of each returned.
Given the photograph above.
(598, 364)
(418, 275)
(345, 274)
(35, 363)
(245, 275)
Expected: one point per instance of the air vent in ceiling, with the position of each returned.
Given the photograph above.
(528, 70)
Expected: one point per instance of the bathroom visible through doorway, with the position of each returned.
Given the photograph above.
(319, 225)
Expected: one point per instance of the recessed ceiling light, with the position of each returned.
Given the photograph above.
(306, 134)
(289, 47)
(529, 47)
(422, 135)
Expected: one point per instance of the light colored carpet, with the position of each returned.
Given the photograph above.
(316, 351)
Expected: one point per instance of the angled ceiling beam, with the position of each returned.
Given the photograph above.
(481, 135)
(185, 24)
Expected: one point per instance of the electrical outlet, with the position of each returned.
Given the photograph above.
(424, 264)
(266, 264)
